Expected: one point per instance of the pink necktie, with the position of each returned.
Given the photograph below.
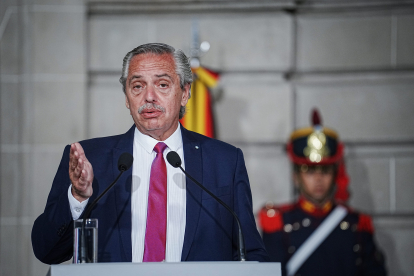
(155, 234)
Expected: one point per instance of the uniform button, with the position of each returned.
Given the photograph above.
(306, 222)
(77, 209)
(288, 228)
(358, 261)
(356, 247)
(344, 225)
(354, 227)
(291, 249)
(271, 213)
(296, 226)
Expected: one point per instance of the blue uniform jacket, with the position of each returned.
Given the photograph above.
(349, 250)
(211, 232)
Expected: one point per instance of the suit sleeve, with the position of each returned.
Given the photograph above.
(255, 250)
(52, 235)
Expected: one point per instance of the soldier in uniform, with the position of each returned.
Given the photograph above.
(319, 234)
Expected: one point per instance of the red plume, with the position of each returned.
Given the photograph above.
(316, 118)
(342, 180)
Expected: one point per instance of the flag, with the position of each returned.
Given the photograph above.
(199, 115)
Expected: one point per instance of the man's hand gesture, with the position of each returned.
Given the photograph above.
(80, 173)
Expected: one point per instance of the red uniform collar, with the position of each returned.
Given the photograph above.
(313, 209)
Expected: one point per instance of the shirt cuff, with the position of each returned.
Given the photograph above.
(76, 207)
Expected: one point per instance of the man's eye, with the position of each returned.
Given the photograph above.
(164, 85)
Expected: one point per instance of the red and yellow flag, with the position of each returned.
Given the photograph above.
(199, 115)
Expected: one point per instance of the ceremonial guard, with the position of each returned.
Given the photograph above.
(318, 234)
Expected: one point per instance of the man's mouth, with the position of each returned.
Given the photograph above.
(151, 113)
(151, 110)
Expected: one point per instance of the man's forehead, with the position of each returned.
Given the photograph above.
(150, 59)
(159, 65)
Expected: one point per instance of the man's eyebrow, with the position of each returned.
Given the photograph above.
(135, 77)
(164, 75)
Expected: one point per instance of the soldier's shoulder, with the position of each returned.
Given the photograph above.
(365, 223)
(280, 208)
(271, 216)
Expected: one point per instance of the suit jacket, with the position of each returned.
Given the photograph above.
(211, 232)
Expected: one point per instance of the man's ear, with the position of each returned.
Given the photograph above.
(186, 94)
(296, 179)
(126, 102)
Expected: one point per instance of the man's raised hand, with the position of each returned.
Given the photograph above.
(80, 173)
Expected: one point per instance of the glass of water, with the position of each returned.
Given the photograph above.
(90, 252)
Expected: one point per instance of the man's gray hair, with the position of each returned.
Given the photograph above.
(182, 64)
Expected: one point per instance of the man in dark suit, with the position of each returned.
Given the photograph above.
(138, 220)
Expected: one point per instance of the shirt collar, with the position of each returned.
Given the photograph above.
(174, 142)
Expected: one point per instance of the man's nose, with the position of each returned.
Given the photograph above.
(318, 174)
(150, 95)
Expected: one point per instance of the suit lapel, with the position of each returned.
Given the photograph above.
(123, 193)
(194, 167)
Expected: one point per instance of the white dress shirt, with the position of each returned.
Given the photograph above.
(176, 196)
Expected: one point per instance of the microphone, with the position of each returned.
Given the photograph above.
(124, 163)
(174, 159)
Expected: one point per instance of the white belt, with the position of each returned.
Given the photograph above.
(315, 239)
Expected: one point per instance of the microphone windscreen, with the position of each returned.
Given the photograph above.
(174, 159)
(125, 161)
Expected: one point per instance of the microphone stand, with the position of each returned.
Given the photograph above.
(241, 247)
(83, 247)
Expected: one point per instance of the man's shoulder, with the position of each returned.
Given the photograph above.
(106, 141)
(206, 141)
(282, 208)
(98, 142)
(364, 220)
(351, 211)
(271, 216)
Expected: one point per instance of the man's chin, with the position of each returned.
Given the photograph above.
(152, 128)
(148, 126)
(318, 199)
(321, 197)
